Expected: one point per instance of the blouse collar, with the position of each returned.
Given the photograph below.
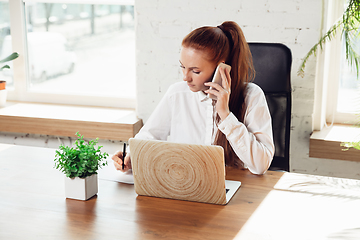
(202, 96)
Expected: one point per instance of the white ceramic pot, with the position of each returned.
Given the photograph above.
(3, 94)
(81, 188)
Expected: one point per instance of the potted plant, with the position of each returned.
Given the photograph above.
(80, 165)
(3, 91)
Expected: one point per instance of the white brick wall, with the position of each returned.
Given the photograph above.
(162, 24)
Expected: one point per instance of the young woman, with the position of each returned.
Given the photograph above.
(239, 120)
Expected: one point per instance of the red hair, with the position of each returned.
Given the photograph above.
(227, 43)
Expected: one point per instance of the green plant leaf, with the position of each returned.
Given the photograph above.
(349, 145)
(10, 57)
(3, 67)
(349, 25)
(82, 160)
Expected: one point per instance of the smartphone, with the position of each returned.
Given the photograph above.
(217, 77)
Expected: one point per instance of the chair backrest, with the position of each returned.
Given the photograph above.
(272, 62)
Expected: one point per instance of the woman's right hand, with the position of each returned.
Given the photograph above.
(117, 158)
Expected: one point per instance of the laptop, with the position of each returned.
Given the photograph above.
(180, 171)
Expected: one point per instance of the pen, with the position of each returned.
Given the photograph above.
(123, 157)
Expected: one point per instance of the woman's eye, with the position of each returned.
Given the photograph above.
(196, 72)
(182, 66)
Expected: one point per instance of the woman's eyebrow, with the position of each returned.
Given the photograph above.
(189, 67)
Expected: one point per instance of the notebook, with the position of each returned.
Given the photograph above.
(180, 171)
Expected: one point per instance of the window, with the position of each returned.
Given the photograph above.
(344, 94)
(349, 86)
(4, 31)
(76, 53)
(337, 92)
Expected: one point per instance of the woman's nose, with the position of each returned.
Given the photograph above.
(186, 76)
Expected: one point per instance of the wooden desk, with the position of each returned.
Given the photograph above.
(273, 206)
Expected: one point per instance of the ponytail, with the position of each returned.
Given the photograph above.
(227, 43)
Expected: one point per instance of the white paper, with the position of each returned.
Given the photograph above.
(110, 173)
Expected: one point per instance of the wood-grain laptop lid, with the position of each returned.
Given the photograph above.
(179, 171)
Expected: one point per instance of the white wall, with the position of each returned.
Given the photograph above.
(162, 24)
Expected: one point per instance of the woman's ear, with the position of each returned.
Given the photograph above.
(222, 61)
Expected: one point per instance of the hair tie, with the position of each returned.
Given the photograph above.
(222, 28)
(228, 35)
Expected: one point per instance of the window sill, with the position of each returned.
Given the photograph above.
(326, 143)
(65, 120)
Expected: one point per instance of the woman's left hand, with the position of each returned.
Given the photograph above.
(222, 93)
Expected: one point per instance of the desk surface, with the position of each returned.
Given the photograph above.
(273, 206)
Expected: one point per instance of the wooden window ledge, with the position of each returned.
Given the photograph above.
(65, 120)
(326, 143)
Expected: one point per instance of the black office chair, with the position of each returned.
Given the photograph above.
(272, 62)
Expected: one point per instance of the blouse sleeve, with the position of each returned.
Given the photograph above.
(252, 140)
(157, 127)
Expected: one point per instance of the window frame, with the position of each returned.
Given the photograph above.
(22, 92)
(328, 73)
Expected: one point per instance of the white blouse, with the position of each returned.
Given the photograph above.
(187, 117)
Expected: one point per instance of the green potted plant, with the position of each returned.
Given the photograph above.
(3, 91)
(80, 165)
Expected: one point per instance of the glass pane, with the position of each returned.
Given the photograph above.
(349, 87)
(5, 44)
(81, 49)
